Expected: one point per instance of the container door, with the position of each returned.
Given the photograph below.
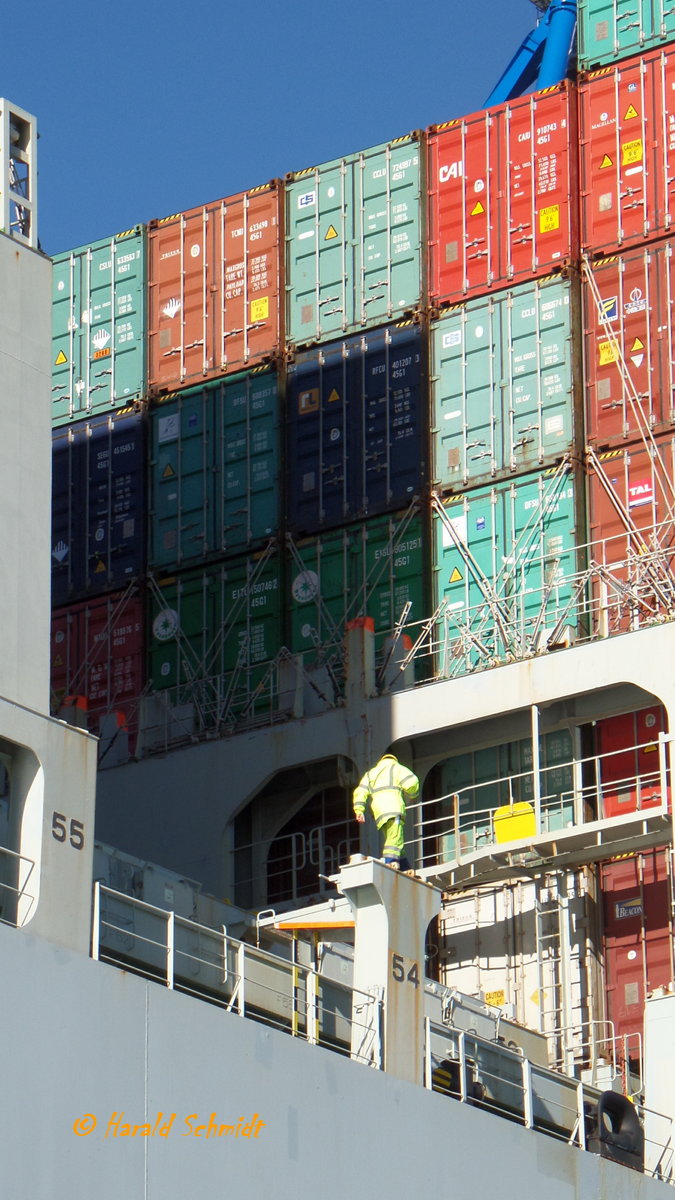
(181, 473)
(181, 632)
(387, 222)
(320, 260)
(246, 634)
(323, 420)
(619, 184)
(247, 329)
(247, 503)
(319, 582)
(536, 372)
(540, 550)
(68, 517)
(387, 468)
(114, 456)
(464, 227)
(467, 394)
(388, 571)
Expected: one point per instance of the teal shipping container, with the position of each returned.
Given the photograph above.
(353, 242)
(367, 570)
(609, 30)
(213, 632)
(502, 389)
(504, 570)
(495, 775)
(214, 468)
(98, 327)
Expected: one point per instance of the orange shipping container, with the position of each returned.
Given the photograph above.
(214, 289)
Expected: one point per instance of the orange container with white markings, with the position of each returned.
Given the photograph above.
(627, 134)
(214, 289)
(501, 184)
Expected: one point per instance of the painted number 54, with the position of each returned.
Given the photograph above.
(403, 973)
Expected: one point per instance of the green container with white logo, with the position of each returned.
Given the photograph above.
(353, 242)
(98, 327)
(610, 30)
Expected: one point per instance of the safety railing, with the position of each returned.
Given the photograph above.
(296, 865)
(243, 979)
(18, 876)
(560, 796)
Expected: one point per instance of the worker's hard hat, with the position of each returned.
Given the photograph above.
(390, 756)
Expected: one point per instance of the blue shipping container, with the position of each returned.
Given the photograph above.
(98, 506)
(356, 428)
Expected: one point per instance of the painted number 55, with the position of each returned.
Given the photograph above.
(398, 970)
(63, 828)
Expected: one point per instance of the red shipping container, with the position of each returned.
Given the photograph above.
(638, 942)
(97, 656)
(627, 123)
(629, 322)
(214, 289)
(501, 186)
(628, 770)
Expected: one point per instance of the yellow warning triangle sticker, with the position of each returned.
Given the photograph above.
(476, 212)
(637, 345)
(332, 233)
(535, 998)
(60, 359)
(58, 661)
(632, 112)
(333, 396)
(606, 162)
(168, 471)
(100, 567)
(456, 576)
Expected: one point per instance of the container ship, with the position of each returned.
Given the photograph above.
(376, 458)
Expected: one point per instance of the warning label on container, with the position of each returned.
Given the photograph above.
(456, 576)
(637, 345)
(333, 396)
(631, 113)
(606, 162)
(102, 353)
(477, 209)
(260, 309)
(549, 219)
(331, 234)
(60, 359)
(631, 152)
(168, 472)
(308, 401)
(496, 999)
(608, 353)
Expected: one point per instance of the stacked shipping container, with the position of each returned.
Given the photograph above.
(310, 363)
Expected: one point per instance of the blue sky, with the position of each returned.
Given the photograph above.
(149, 109)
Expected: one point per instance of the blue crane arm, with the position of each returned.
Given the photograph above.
(542, 59)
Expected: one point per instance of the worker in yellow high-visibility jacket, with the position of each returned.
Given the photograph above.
(387, 785)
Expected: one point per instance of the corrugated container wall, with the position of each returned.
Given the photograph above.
(630, 493)
(354, 230)
(629, 321)
(502, 184)
(502, 391)
(98, 327)
(506, 945)
(628, 767)
(219, 625)
(98, 506)
(214, 470)
(98, 654)
(627, 137)
(504, 558)
(214, 289)
(356, 428)
(370, 569)
(608, 30)
(638, 938)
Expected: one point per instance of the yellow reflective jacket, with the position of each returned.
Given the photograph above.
(385, 785)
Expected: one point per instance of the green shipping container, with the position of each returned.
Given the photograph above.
(504, 570)
(213, 634)
(214, 470)
(609, 30)
(473, 777)
(98, 327)
(372, 569)
(353, 242)
(502, 394)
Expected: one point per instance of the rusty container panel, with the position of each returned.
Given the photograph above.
(627, 136)
(628, 763)
(500, 186)
(97, 655)
(630, 497)
(638, 937)
(629, 323)
(214, 289)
